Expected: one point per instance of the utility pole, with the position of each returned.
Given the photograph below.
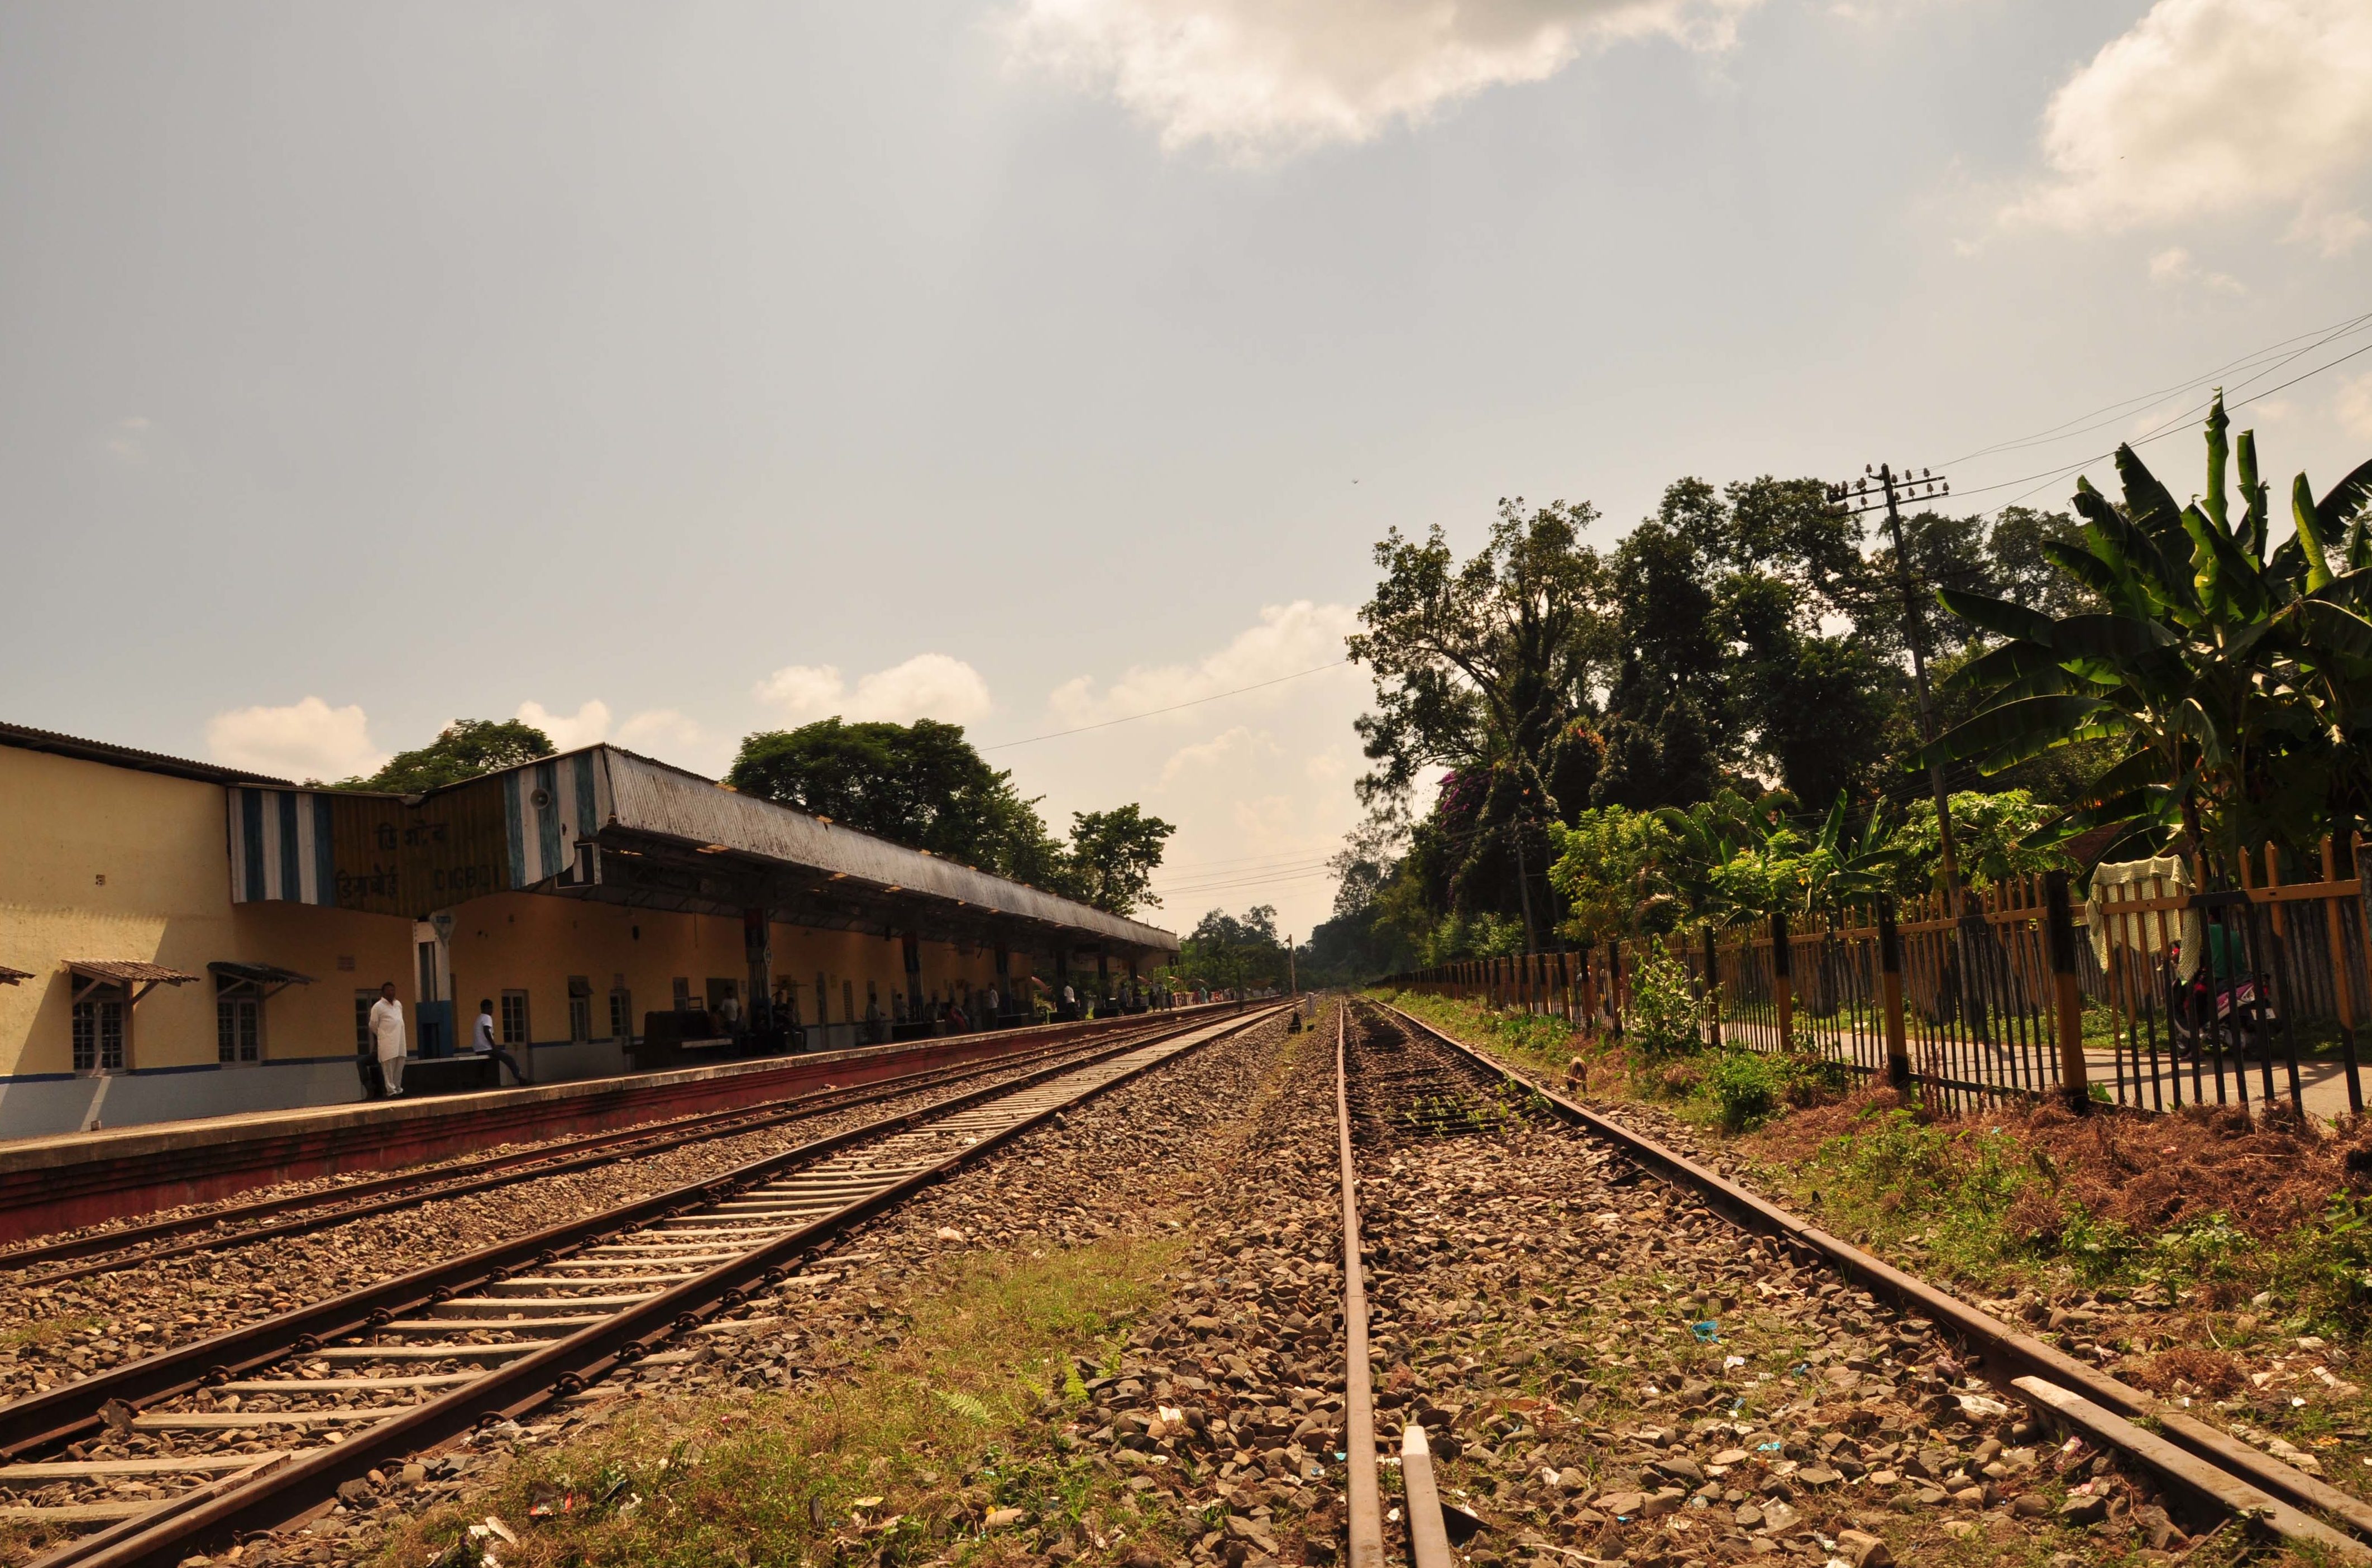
(1861, 496)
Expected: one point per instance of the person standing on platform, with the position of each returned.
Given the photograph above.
(387, 1039)
(483, 1043)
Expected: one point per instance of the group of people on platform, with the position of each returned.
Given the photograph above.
(383, 1068)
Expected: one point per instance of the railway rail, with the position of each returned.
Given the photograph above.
(251, 1428)
(1402, 1087)
(216, 1227)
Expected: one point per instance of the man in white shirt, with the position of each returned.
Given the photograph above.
(386, 1038)
(483, 1043)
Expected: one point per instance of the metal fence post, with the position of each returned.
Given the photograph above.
(1889, 982)
(1782, 981)
(1713, 989)
(2059, 921)
(2342, 983)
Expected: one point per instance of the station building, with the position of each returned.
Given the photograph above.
(179, 939)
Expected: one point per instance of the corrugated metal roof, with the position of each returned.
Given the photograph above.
(652, 797)
(128, 972)
(262, 974)
(26, 737)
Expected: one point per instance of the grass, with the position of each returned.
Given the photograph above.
(901, 1461)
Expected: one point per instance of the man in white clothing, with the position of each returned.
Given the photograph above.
(483, 1043)
(386, 1038)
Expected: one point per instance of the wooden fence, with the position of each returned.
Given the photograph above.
(2155, 998)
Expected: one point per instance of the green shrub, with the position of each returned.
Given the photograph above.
(1664, 1009)
(1747, 1089)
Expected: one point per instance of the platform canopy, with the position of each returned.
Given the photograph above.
(606, 824)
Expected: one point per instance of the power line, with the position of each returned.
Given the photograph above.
(1149, 713)
(2071, 427)
(2172, 426)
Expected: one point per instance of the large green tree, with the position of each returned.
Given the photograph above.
(924, 785)
(462, 749)
(1112, 855)
(921, 784)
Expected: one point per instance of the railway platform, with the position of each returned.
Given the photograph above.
(67, 1180)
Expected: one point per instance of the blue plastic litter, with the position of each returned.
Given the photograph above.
(1768, 1447)
(1707, 1333)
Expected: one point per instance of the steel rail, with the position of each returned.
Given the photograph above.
(2197, 1457)
(517, 1386)
(464, 1177)
(1367, 1510)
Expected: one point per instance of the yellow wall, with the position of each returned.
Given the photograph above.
(162, 846)
(534, 942)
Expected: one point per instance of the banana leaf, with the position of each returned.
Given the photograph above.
(2041, 722)
(2107, 636)
(2091, 571)
(1998, 616)
(2231, 587)
(2328, 628)
(2008, 662)
(2310, 535)
(2346, 503)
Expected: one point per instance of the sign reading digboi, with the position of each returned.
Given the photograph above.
(394, 858)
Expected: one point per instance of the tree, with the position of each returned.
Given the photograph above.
(1480, 663)
(462, 749)
(921, 784)
(1225, 951)
(2234, 682)
(1112, 857)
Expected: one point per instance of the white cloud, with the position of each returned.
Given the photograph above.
(663, 732)
(1239, 745)
(1257, 77)
(2354, 408)
(588, 724)
(2174, 265)
(930, 686)
(2209, 107)
(1290, 639)
(305, 740)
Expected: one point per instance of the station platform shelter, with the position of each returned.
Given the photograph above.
(182, 940)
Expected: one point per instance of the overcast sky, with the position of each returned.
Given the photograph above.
(671, 371)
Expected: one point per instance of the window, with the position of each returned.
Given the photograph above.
(823, 1002)
(848, 1001)
(514, 1017)
(622, 1013)
(683, 994)
(238, 1028)
(99, 1034)
(363, 1045)
(580, 1009)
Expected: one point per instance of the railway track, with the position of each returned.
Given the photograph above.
(1619, 1360)
(249, 1428)
(216, 1227)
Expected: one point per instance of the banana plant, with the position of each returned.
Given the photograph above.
(2234, 680)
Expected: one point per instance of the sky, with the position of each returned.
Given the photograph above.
(661, 374)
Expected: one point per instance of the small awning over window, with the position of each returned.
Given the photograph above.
(265, 979)
(136, 978)
(12, 977)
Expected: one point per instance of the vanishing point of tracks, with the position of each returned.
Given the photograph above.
(249, 1428)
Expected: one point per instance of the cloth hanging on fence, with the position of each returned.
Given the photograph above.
(2163, 878)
